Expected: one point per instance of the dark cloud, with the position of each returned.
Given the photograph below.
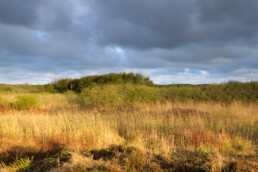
(229, 20)
(18, 12)
(169, 38)
(144, 24)
(167, 24)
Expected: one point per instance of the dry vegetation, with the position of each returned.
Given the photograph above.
(63, 132)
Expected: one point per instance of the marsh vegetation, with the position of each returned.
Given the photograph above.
(122, 125)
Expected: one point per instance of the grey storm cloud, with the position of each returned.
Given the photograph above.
(158, 38)
(18, 12)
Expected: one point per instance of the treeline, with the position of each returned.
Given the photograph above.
(77, 85)
(130, 86)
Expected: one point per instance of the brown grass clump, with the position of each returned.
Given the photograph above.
(5, 107)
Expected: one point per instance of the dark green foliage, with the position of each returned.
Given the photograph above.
(63, 85)
(78, 85)
(50, 88)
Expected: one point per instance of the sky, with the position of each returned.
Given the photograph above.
(170, 41)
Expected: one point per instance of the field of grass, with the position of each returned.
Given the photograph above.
(127, 128)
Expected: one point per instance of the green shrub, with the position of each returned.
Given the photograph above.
(50, 88)
(121, 95)
(118, 96)
(24, 102)
(227, 148)
(203, 151)
(138, 93)
(224, 93)
(101, 97)
(22, 164)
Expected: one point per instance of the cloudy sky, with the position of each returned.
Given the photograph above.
(171, 41)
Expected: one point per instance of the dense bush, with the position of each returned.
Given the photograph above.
(24, 102)
(78, 85)
(184, 93)
(116, 95)
(100, 97)
(232, 91)
(141, 93)
(123, 95)
(224, 93)
(50, 88)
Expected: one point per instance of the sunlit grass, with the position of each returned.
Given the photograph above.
(159, 128)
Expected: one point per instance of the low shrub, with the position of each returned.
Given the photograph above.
(22, 164)
(24, 102)
(101, 97)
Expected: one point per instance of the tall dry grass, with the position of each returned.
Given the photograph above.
(160, 128)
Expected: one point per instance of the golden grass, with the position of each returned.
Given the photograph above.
(161, 129)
